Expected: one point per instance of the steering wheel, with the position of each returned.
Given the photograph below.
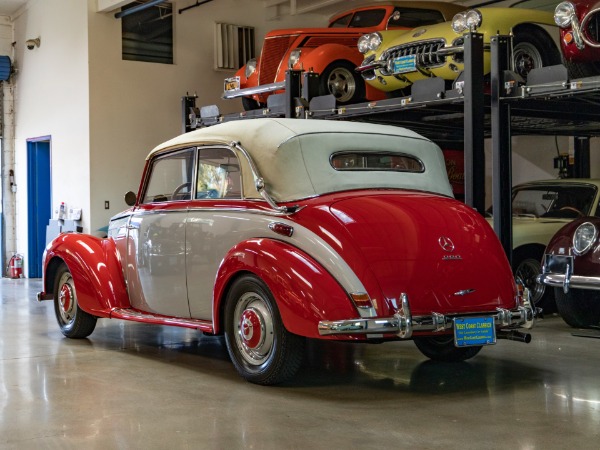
(209, 193)
(178, 189)
(572, 208)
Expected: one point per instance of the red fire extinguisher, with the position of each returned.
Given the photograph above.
(15, 266)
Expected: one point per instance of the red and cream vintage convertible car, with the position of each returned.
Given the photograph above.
(273, 231)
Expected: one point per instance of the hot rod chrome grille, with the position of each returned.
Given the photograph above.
(426, 52)
(272, 53)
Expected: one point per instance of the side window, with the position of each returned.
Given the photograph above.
(342, 22)
(170, 177)
(413, 18)
(218, 174)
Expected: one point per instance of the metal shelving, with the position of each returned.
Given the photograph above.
(498, 106)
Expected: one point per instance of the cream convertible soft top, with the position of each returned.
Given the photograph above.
(293, 155)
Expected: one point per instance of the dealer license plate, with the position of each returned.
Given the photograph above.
(232, 84)
(404, 64)
(474, 331)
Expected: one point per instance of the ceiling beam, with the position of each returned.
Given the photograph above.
(111, 5)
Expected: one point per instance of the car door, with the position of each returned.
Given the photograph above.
(156, 251)
(213, 225)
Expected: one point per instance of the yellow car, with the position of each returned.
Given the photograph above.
(396, 59)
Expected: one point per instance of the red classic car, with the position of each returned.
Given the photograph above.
(572, 266)
(330, 51)
(271, 231)
(579, 21)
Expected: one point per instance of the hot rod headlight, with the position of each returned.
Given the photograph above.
(563, 14)
(466, 21)
(584, 238)
(294, 58)
(250, 67)
(369, 42)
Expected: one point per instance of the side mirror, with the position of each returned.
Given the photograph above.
(130, 198)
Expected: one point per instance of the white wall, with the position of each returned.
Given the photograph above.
(533, 159)
(51, 99)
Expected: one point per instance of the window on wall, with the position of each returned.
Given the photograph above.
(147, 35)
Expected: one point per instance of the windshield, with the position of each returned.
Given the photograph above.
(565, 202)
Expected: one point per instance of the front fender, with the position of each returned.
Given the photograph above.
(319, 58)
(304, 291)
(95, 265)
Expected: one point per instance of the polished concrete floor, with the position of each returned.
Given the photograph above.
(143, 386)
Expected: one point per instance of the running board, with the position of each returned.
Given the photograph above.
(157, 319)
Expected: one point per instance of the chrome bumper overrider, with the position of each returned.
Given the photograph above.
(403, 324)
(262, 89)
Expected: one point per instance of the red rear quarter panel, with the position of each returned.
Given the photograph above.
(391, 242)
(305, 292)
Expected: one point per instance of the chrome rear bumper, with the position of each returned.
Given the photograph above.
(567, 281)
(403, 324)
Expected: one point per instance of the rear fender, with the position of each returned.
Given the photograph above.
(304, 291)
(95, 265)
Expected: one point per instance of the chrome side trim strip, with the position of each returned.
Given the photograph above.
(215, 210)
(139, 316)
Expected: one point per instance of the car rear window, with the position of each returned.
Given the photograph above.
(397, 162)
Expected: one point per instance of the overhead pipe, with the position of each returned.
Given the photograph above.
(138, 8)
(198, 3)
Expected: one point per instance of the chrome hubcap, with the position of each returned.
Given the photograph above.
(67, 299)
(254, 336)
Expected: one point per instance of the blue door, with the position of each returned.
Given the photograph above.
(39, 206)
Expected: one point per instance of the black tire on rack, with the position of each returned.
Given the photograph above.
(533, 48)
(582, 70)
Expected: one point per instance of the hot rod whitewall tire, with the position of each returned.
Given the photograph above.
(441, 348)
(579, 308)
(73, 321)
(340, 80)
(260, 347)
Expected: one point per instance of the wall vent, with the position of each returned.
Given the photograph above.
(234, 46)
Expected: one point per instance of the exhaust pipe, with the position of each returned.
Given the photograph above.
(514, 335)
